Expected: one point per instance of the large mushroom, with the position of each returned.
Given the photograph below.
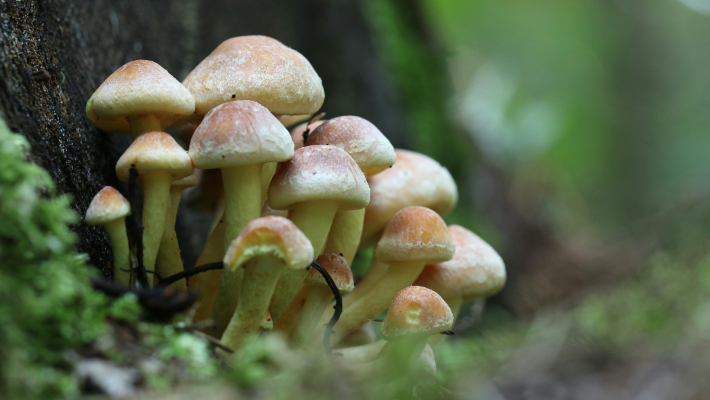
(139, 97)
(159, 161)
(266, 248)
(110, 209)
(315, 184)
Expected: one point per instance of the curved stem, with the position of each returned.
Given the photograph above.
(141, 124)
(121, 252)
(399, 275)
(169, 261)
(316, 302)
(208, 282)
(260, 277)
(156, 202)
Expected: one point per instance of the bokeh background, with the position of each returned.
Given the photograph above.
(578, 133)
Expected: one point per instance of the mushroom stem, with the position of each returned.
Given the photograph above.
(372, 278)
(208, 282)
(313, 219)
(454, 303)
(362, 354)
(345, 233)
(268, 170)
(260, 277)
(401, 357)
(169, 261)
(290, 317)
(242, 193)
(121, 253)
(156, 202)
(399, 275)
(141, 124)
(218, 214)
(316, 301)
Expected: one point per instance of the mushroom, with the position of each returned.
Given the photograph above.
(416, 313)
(169, 261)
(139, 97)
(291, 120)
(476, 271)
(239, 137)
(298, 131)
(372, 152)
(256, 68)
(319, 294)
(208, 282)
(315, 183)
(361, 336)
(413, 238)
(110, 209)
(159, 160)
(264, 249)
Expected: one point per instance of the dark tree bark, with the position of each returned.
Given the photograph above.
(55, 53)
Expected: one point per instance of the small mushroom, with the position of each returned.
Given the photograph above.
(110, 209)
(159, 161)
(264, 249)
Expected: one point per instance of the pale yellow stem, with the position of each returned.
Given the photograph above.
(399, 275)
(141, 124)
(361, 354)
(169, 261)
(260, 277)
(242, 194)
(156, 203)
(290, 317)
(121, 252)
(344, 236)
(218, 213)
(316, 302)
(267, 173)
(313, 219)
(208, 282)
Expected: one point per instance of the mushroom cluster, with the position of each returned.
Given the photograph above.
(280, 200)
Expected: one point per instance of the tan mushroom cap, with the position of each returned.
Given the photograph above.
(415, 233)
(338, 269)
(297, 132)
(276, 236)
(290, 120)
(475, 271)
(155, 151)
(414, 180)
(319, 173)
(138, 88)
(239, 133)
(416, 312)
(256, 68)
(358, 137)
(108, 205)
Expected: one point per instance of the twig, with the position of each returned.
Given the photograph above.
(136, 227)
(338, 306)
(190, 272)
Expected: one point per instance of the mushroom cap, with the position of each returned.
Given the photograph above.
(415, 233)
(290, 120)
(108, 205)
(319, 173)
(155, 151)
(297, 132)
(414, 180)
(338, 269)
(138, 88)
(358, 137)
(270, 236)
(475, 271)
(186, 182)
(239, 133)
(416, 312)
(256, 68)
